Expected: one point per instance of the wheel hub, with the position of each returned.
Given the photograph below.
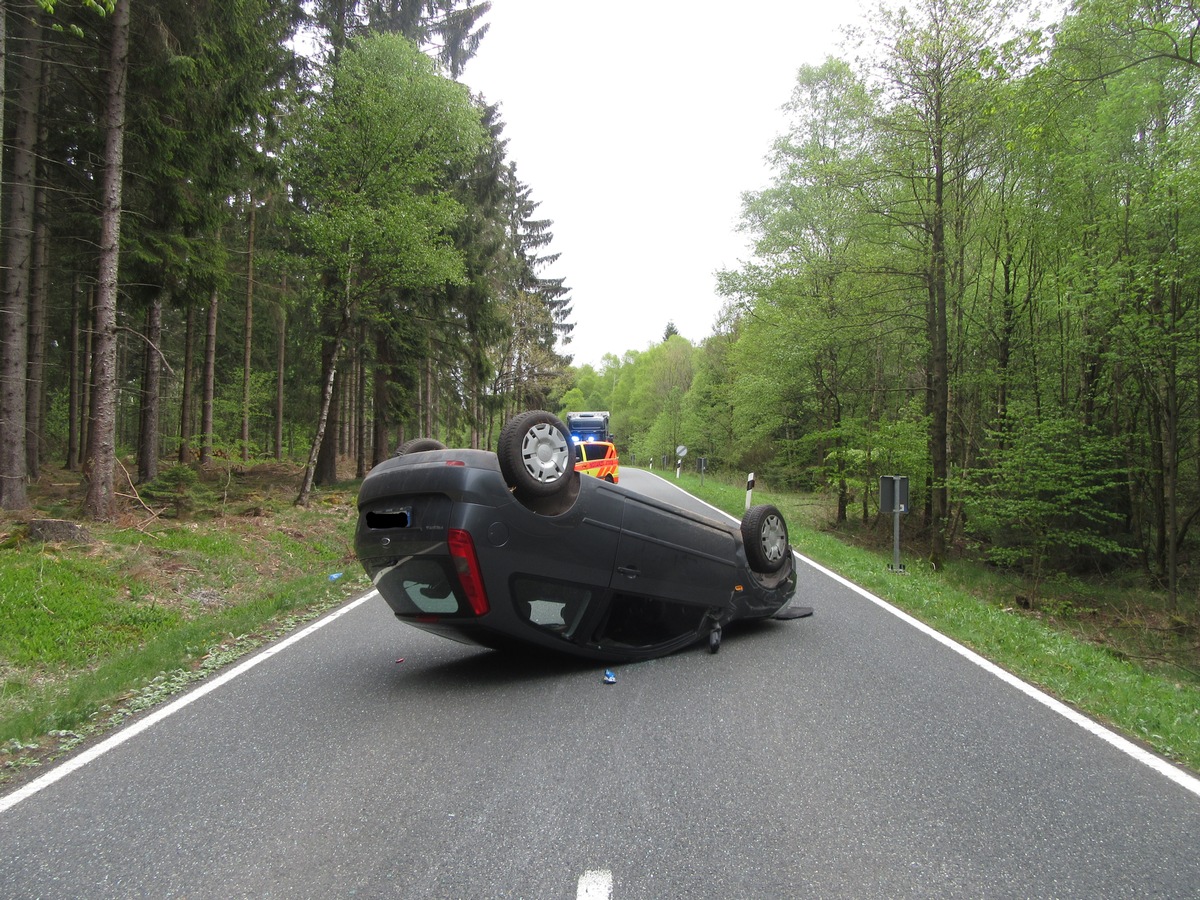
(774, 538)
(545, 453)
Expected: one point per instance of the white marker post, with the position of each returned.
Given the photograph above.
(749, 488)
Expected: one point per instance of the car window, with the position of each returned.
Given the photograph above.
(551, 605)
(634, 621)
(427, 586)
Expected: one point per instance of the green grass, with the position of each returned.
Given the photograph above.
(93, 632)
(974, 605)
(64, 610)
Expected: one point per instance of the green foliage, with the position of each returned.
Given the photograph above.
(178, 486)
(369, 157)
(572, 400)
(966, 222)
(647, 397)
(1048, 492)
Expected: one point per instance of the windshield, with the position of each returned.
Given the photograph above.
(422, 585)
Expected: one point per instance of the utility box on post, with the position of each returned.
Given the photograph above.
(893, 493)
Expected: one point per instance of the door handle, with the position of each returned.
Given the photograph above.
(629, 571)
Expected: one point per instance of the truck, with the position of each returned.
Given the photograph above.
(589, 426)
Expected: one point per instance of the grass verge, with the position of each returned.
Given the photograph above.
(98, 629)
(1072, 659)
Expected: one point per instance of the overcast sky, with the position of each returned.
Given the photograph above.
(638, 127)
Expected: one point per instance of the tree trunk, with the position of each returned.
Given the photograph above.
(938, 343)
(249, 333)
(151, 394)
(341, 403)
(360, 407)
(322, 420)
(39, 301)
(102, 455)
(280, 360)
(14, 318)
(210, 370)
(326, 459)
(35, 385)
(382, 407)
(429, 398)
(85, 376)
(73, 384)
(185, 402)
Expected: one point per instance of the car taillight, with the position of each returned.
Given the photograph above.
(466, 565)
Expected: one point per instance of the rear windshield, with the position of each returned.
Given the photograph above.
(590, 452)
(427, 586)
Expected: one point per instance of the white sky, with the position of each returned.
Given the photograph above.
(638, 127)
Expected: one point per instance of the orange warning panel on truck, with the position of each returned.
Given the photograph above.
(597, 458)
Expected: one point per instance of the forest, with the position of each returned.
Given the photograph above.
(977, 265)
(257, 229)
(286, 230)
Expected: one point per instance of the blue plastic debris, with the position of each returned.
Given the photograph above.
(609, 677)
(335, 576)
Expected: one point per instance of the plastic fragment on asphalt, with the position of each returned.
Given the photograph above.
(400, 660)
(609, 677)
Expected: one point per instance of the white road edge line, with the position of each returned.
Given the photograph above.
(594, 884)
(93, 753)
(1170, 770)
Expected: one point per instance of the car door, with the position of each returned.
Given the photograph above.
(665, 553)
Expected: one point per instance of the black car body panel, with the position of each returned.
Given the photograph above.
(599, 572)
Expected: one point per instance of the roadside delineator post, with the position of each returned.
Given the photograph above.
(749, 488)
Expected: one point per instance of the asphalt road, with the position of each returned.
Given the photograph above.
(849, 754)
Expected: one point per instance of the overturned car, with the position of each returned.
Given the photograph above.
(515, 549)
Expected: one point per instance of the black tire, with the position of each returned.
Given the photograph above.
(419, 445)
(537, 455)
(765, 534)
(714, 640)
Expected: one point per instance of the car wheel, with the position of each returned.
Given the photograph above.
(418, 445)
(765, 535)
(536, 454)
(714, 640)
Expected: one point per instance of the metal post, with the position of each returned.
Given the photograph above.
(896, 566)
(893, 497)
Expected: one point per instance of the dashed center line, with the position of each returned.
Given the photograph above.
(595, 884)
